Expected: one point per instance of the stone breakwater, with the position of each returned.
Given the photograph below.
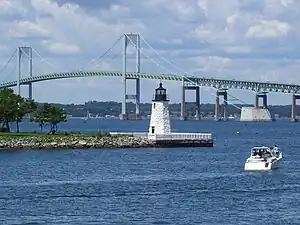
(68, 142)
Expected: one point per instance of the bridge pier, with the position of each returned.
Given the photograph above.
(294, 106)
(186, 87)
(264, 97)
(127, 39)
(257, 113)
(221, 92)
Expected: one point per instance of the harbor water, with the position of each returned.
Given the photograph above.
(154, 186)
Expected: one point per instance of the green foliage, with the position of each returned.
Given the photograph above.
(13, 108)
(25, 107)
(49, 114)
(40, 116)
(207, 110)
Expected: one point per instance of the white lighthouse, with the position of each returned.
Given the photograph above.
(160, 115)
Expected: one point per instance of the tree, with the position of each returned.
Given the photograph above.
(40, 115)
(8, 107)
(25, 107)
(13, 108)
(49, 114)
(55, 116)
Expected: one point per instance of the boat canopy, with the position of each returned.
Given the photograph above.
(263, 150)
(260, 148)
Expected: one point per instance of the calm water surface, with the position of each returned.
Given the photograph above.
(154, 186)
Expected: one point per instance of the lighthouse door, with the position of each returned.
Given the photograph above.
(152, 129)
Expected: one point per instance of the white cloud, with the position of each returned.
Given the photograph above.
(269, 29)
(5, 4)
(61, 48)
(210, 63)
(254, 40)
(27, 29)
(175, 41)
(8, 7)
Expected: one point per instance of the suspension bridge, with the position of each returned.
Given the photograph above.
(189, 81)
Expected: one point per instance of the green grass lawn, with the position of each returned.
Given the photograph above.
(12, 134)
(26, 134)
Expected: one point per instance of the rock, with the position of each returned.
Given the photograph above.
(82, 142)
(73, 141)
(53, 144)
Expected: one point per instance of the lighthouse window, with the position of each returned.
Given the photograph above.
(152, 130)
(153, 105)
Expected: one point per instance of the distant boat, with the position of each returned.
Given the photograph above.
(263, 158)
(88, 116)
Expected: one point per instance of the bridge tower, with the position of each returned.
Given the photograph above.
(189, 86)
(27, 52)
(135, 40)
(294, 106)
(221, 92)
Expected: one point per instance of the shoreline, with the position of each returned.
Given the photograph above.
(71, 141)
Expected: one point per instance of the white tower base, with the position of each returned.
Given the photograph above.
(160, 119)
(252, 114)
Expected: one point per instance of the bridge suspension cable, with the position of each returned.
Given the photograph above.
(177, 67)
(112, 57)
(9, 60)
(108, 50)
(10, 73)
(185, 77)
(41, 58)
(148, 57)
(34, 60)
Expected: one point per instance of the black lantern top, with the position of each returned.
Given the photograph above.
(160, 94)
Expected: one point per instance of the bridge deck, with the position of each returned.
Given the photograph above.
(209, 82)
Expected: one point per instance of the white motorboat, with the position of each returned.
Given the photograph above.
(263, 158)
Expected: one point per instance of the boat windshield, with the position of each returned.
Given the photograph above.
(261, 152)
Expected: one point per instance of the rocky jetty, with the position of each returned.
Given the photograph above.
(72, 141)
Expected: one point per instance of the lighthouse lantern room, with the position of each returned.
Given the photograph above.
(160, 115)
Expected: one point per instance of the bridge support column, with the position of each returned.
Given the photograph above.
(19, 70)
(185, 87)
(217, 106)
(197, 116)
(182, 108)
(256, 101)
(225, 106)
(294, 107)
(135, 40)
(27, 52)
(265, 101)
(264, 97)
(222, 92)
(30, 73)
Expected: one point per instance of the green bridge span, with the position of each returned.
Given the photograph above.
(209, 82)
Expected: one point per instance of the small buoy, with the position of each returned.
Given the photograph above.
(237, 132)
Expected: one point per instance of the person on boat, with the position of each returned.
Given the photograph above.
(276, 150)
(260, 153)
(268, 153)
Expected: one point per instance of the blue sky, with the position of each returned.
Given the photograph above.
(235, 39)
